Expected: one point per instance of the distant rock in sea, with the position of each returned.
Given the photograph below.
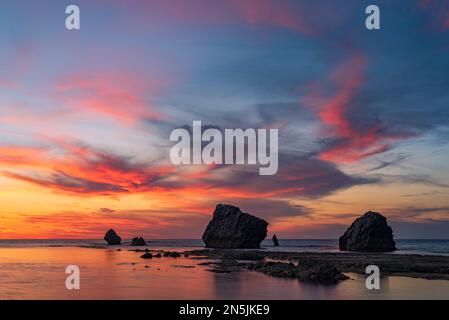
(231, 228)
(112, 238)
(275, 241)
(370, 232)
(138, 241)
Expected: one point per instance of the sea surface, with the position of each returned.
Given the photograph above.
(405, 246)
(36, 269)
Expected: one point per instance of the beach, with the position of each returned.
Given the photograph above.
(38, 272)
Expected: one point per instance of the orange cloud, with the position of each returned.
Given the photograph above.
(19, 155)
(79, 169)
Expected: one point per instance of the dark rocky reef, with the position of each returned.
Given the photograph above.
(324, 273)
(147, 255)
(138, 241)
(112, 238)
(171, 254)
(231, 228)
(415, 266)
(369, 233)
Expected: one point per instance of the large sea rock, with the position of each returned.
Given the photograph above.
(370, 232)
(112, 238)
(231, 228)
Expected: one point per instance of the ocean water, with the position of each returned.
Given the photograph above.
(36, 269)
(405, 246)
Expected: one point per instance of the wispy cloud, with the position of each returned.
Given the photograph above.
(124, 97)
(349, 142)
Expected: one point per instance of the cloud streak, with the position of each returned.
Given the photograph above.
(119, 96)
(349, 141)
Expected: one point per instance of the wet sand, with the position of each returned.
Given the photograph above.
(39, 273)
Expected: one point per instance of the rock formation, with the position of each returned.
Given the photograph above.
(275, 241)
(112, 238)
(138, 241)
(231, 228)
(324, 273)
(370, 232)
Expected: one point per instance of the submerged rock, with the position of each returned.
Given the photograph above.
(172, 254)
(147, 255)
(138, 241)
(322, 273)
(370, 232)
(112, 238)
(275, 241)
(231, 228)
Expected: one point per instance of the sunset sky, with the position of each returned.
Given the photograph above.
(85, 116)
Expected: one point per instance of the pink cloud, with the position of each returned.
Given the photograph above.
(289, 15)
(6, 83)
(439, 10)
(273, 13)
(124, 97)
(353, 144)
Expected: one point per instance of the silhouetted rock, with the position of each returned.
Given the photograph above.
(112, 238)
(147, 255)
(172, 254)
(370, 232)
(275, 241)
(138, 241)
(230, 228)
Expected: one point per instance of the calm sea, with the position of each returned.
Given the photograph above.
(405, 246)
(36, 269)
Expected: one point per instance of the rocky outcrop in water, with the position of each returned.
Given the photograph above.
(231, 228)
(275, 241)
(412, 265)
(324, 273)
(370, 233)
(138, 241)
(171, 254)
(112, 238)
